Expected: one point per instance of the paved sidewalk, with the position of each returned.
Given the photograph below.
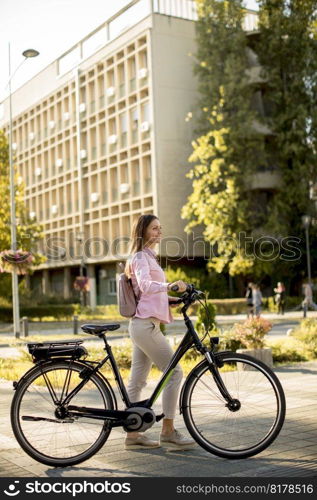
(293, 454)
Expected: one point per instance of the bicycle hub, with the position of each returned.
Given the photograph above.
(139, 419)
(234, 405)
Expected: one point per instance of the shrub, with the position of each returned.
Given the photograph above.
(62, 312)
(229, 342)
(223, 306)
(247, 335)
(307, 334)
(285, 350)
(203, 321)
(59, 313)
(251, 332)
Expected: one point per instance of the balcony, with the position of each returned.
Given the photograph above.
(132, 85)
(122, 90)
(266, 180)
(148, 185)
(261, 128)
(256, 75)
(136, 188)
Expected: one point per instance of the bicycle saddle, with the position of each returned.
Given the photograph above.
(97, 329)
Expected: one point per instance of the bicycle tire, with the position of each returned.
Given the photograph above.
(40, 441)
(243, 433)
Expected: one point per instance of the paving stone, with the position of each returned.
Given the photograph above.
(293, 454)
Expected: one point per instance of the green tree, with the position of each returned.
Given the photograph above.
(29, 232)
(230, 146)
(287, 52)
(238, 139)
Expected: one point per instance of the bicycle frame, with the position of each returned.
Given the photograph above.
(117, 417)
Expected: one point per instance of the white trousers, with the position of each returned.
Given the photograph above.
(150, 345)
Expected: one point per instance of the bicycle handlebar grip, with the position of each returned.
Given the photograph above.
(174, 288)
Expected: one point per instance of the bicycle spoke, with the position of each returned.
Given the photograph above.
(222, 430)
(70, 439)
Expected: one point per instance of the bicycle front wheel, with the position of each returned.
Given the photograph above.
(42, 427)
(248, 428)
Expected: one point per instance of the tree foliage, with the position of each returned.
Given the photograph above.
(29, 232)
(238, 139)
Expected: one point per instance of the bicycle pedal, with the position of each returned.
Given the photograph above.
(159, 417)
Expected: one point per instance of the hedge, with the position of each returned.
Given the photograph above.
(63, 312)
(223, 306)
(59, 312)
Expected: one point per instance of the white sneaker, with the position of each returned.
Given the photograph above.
(142, 441)
(176, 440)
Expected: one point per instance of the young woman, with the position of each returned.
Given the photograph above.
(149, 344)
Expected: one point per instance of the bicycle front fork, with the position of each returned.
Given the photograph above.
(214, 365)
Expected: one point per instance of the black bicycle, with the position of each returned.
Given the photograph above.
(64, 408)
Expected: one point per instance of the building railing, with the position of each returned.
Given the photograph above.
(127, 17)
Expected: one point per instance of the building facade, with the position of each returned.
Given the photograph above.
(100, 138)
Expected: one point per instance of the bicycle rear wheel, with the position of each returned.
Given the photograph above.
(53, 438)
(242, 432)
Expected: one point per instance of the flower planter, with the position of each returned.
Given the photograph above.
(81, 284)
(18, 261)
(264, 355)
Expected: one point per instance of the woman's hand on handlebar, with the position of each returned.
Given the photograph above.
(181, 286)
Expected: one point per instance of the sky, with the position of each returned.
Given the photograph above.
(49, 26)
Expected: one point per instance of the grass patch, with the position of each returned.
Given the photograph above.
(46, 338)
(14, 368)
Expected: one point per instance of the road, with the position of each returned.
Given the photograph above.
(175, 331)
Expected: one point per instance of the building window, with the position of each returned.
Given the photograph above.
(112, 286)
(123, 129)
(134, 125)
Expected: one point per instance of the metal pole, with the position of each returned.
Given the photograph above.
(80, 179)
(25, 326)
(75, 324)
(15, 284)
(308, 255)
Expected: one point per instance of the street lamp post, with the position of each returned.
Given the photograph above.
(80, 238)
(306, 220)
(15, 290)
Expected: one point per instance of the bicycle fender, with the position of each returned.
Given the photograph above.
(109, 386)
(30, 370)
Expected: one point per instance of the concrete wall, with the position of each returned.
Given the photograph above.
(174, 95)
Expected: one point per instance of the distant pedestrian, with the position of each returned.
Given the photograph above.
(256, 300)
(248, 298)
(279, 297)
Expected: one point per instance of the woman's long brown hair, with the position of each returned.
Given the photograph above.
(138, 241)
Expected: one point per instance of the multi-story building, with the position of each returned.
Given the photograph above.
(100, 137)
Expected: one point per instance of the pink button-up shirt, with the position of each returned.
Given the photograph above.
(148, 281)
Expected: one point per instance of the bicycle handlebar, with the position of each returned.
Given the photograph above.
(189, 296)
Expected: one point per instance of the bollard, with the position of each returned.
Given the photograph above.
(25, 326)
(75, 324)
(305, 310)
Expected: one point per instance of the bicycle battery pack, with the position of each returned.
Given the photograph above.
(42, 351)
